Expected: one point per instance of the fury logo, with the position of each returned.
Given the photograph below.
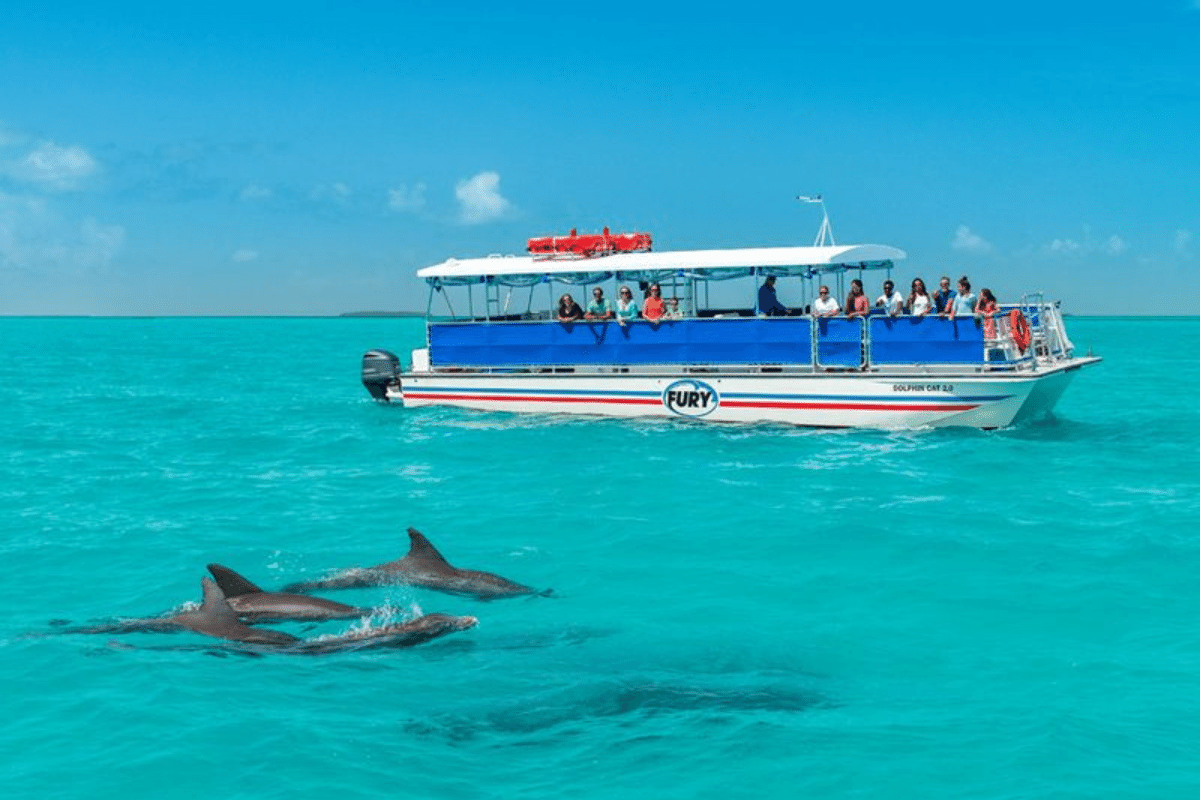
(690, 398)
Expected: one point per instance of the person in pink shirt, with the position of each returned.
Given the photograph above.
(857, 304)
(987, 308)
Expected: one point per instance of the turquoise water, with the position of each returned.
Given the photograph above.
(739, 612)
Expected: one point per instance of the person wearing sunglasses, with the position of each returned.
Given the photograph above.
(824, 305)
(627, 307)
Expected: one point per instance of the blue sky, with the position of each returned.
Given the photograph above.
(307, 158)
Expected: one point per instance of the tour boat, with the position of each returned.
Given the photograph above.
(723, 361)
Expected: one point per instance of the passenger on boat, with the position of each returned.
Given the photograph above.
(987, 307)
(673, 310)
(599, 308)
(653, 308)
(918, 303)
(568, 309)
(768, 303)
(627, 307)
(964, 302)
(891, 301)
(857, 304)
(825, 306)
(943, 296)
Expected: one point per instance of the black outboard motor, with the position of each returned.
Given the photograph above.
(380, 369)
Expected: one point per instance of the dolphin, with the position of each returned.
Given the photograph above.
(423, 566)
(253, 604)
(402, 634)
(216, 618)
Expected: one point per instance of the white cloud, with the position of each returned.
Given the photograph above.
(243, 255)
(33, 238)
(53, 166)
(255, 192)
(969, 242)
(406, 199)
(479, 198)
(1183, 238)
(1064, 246)
(1115, 245)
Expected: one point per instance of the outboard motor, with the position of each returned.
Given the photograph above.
(380, 369)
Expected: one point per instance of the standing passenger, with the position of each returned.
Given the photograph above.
(891, 301)
(627, 307)
(943, 296)
(857, 304)
(653, 308)
(599, 308)
(919, 303)
(568, 309)
(987, 308)
(825, 306)
(673, 309)
(964, 302)
(768, 303)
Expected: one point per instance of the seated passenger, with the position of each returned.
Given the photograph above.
(891, 301)
(963, 303)
(599, 308)
(919, 303)
(673, 310)
(568, 309)
(987, 307)
(768, 303)
(653, 308)
(627, 307)
(857, 304)
(825, 306)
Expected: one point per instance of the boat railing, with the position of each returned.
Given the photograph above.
(800, 342)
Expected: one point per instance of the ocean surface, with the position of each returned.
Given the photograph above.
(738, 612)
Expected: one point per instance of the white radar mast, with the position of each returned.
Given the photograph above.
(825, 234)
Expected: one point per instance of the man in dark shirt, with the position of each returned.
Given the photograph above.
(943, 297)
(768, 303)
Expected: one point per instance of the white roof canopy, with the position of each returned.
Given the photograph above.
(692, 263)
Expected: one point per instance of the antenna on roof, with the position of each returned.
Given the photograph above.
(825, 234)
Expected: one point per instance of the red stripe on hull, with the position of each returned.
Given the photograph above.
(627, 401)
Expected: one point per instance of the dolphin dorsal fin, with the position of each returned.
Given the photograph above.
(214, 601)
(232, 584)
(422, 551)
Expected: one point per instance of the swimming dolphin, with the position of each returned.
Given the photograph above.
(253, 604)
(423, 566)
(216, 618)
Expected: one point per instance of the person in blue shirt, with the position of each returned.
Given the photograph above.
(943, 296)
(627, 307)
(768, 303)
(963, 304)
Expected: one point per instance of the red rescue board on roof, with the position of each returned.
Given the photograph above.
(589, 244)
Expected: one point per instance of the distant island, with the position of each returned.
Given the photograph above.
(382, 314)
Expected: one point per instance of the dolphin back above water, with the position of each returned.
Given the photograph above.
(423, 566)
(253, 604)
(216, 618)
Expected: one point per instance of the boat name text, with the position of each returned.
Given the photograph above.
(690, 398)
(923, 387)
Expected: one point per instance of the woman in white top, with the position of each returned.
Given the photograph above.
(919, 303)
(824, 305)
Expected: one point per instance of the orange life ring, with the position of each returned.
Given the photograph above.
(1020, 329)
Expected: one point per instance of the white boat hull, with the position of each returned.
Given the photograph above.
(829, 400)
